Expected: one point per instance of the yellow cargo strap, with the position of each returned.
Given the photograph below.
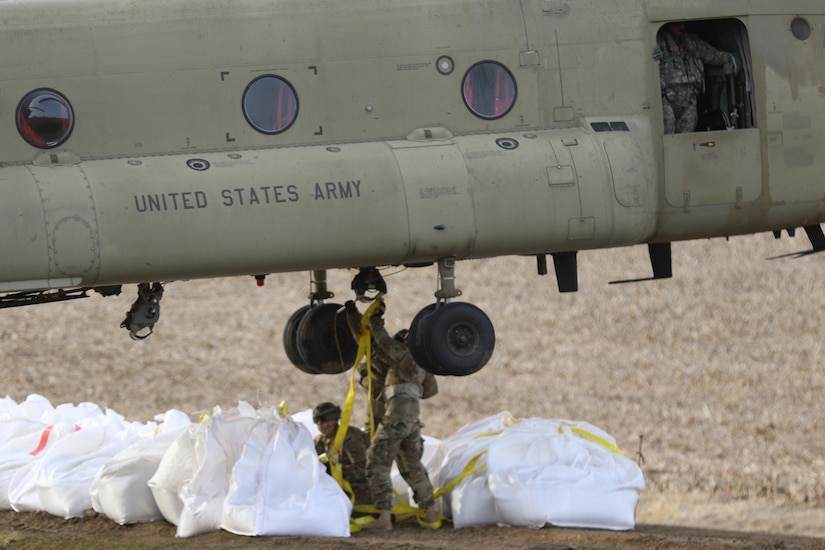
(471, 467)
(404, 511)
(578, 431)
(469, 470)
(595, 439)
(336, 469)
(366, 343)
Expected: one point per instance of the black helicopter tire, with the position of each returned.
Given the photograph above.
(291, 341)
(325, 341)
(459, 339)
(416, 340)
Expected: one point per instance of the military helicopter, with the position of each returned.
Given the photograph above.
(148, 141)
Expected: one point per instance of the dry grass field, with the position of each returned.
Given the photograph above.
(714, 374)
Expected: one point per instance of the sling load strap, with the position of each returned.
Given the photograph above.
(469, 470)
(578, 431)
(402, 512)
(595, 439)
(365, 342)
(336, 469)
(335, 466)
(471, 467)
(364, 351)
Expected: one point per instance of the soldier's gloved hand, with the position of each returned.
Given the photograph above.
(349, 305)
(376, 321)
(657, 54)
(379, 310)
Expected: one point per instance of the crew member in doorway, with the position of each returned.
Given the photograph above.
(682, 58)
(353, 452)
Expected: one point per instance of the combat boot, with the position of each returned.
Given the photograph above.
(383, 523)
(431, 519)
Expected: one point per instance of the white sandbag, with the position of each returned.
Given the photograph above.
(539, 471)
(470, 441)
(62, 478)
(58, 422)
(470, 503)
(22, 493)
(120, 488)
(304, 418)
(539, 474)
(64, 475)
(17, 419)
(7, 403)
(193, 476)
(279, 487)
(218, 444)
(23, 434)
(176, 468)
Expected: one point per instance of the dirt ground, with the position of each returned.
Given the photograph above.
(36, 531)
(710, 379)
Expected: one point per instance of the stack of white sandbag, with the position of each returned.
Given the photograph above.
(536, 471)
(50, 455)
(251, 473)
(248, 471)
(254, 472)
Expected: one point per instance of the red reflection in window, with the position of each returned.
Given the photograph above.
(489, 90)
(270, 104)
(44, 118)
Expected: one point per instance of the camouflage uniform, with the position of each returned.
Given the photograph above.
(353, 459)
(682, 76)
(398, 437)
(379, 366)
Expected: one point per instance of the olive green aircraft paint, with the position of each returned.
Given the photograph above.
(144, 140)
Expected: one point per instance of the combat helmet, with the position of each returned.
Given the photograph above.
(326, 411)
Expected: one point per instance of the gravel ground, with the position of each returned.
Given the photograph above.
(713, 374)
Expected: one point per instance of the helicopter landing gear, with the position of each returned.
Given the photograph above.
(451, 338)
(317, 339)
(446, 338)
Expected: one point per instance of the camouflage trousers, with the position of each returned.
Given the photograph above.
(361, 492)
(399, 440)
(679, 109)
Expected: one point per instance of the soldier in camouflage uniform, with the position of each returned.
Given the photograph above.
(353, 452)
(682, 57)
(398, 437)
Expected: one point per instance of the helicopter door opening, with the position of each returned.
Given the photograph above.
(713, 158)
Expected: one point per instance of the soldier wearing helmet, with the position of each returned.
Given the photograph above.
(353, 452)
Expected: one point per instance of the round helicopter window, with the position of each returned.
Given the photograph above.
(270, 104)
(800, 28)
(45, 118)
(489, 90)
